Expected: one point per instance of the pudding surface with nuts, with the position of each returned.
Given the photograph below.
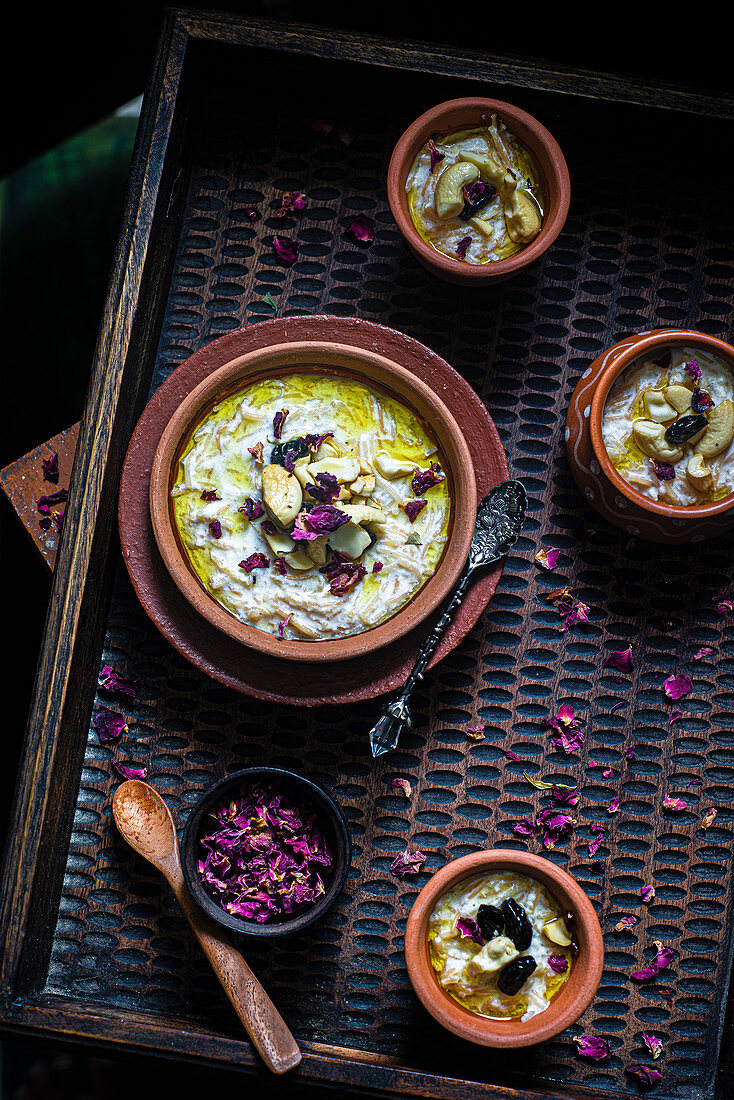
(500, 945)
(668, 427)
(312, 506)
(475, 194)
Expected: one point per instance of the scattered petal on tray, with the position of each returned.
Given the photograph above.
(708, 818)
(476, 733)
(625, 924)
(547, 559)
(670, 802)
(407, 863)
(109, 724)
(653, 1044)
(647, 893)
(621, 659)
(403, 785)
(676, 687)
(114, 682)
(129, 773)
(593, 1047)
(644, 1074)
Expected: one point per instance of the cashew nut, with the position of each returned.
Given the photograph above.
(449, 197)
(679, 397)
(699, 474)
(391, 467)
(493, 956)
(720, 431)
(557, 932)
(491, 171)
(657, 407)
(350, 539)
(650, 438)
(343, 469)
(522, 217)
(282, 495)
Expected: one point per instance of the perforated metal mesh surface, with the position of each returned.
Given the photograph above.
(642, 247)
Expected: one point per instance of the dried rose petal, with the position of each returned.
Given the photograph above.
(547, 559)
(407, 863)
(564, 719)
(620, 659)
(607, 773)
(403, 785)
(663, 471)
(723, 604)
(283, 624)
(675, 715)
(342, 574)
(360, 228)
(653, 1044)
(463, 247)
(51, 468)
(676, 687)
(704, 651)
(257, 452)
(45, 502)
(319, 521)
(210, 495)
(592, 1046)
(129, 773)
(569, 743)
(469, 928)
(215, 529)
(476, 733)
(345, 135)
(250, 212)
(524, 827)
(613, 807)
(693, 370)
(436, 156)
(701, 400)
(326, 489)
(511, 755)
(554, 826)
(667, 994)
(413, 507)
(252, 508)
(109, 724)
(279, 421)
(596, 841)
(559, 963)
(625, 924)
(377, 567)
(426, 479)
(112, 681)
(255, 561)
(285, 250)
(280, 566)
(644, 1074)
(290, 201)
(662, 959)
(647, 893)
(322, 127)
(708, 818)
(672, 803)
(616, 707)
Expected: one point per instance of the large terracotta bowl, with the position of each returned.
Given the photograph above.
(574, 996)
(376, 371)
(456, 114)
(604, 488)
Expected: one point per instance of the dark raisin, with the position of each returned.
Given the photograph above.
(701, 400)
(685, 427)
(517, 925)
(513, 976)
(490, 920)
(291, 450)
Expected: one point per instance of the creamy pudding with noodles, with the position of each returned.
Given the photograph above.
(475, 194)
(312, 506)
(668, 427)
(500, 945)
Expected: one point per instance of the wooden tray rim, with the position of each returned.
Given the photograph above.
(62, 701)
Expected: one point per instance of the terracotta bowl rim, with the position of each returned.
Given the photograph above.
(464, 498)
(628, 352)
(332, 812)
(552, 163)
(562, 1011)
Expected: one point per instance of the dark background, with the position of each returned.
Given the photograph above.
(66, 68)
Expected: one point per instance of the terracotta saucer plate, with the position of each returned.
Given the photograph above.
(257, 674)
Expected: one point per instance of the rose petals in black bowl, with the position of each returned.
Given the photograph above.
(301, 840)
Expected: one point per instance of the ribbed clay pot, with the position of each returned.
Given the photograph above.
(602, 486)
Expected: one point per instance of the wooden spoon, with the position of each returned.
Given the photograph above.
(145, 822)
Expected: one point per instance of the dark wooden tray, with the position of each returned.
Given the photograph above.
(93, 949)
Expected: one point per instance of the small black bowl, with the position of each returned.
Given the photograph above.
(332, 816)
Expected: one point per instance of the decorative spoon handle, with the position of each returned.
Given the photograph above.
(267, 1029)
(500, 517)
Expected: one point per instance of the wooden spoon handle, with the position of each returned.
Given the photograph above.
(262, 1021)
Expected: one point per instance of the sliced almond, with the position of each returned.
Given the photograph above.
(299, 559)
(280, 542)
(364, 513)
(556, 931)
(391, 468)
(343, 469)
(350, 539)
(282, 495)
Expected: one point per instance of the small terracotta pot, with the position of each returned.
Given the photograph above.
(574, 996)
(368, 367)
(604, 488)
(456, 114)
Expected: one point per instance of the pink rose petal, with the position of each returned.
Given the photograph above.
(644, 1074)
(407, 863)
(621, 659)
(653, 1044)
(403, 785)
(678, 686)
(647, 893)
(547, 559)
(592, 1046)
(672, 803)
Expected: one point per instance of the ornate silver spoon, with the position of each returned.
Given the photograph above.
(500, 518)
